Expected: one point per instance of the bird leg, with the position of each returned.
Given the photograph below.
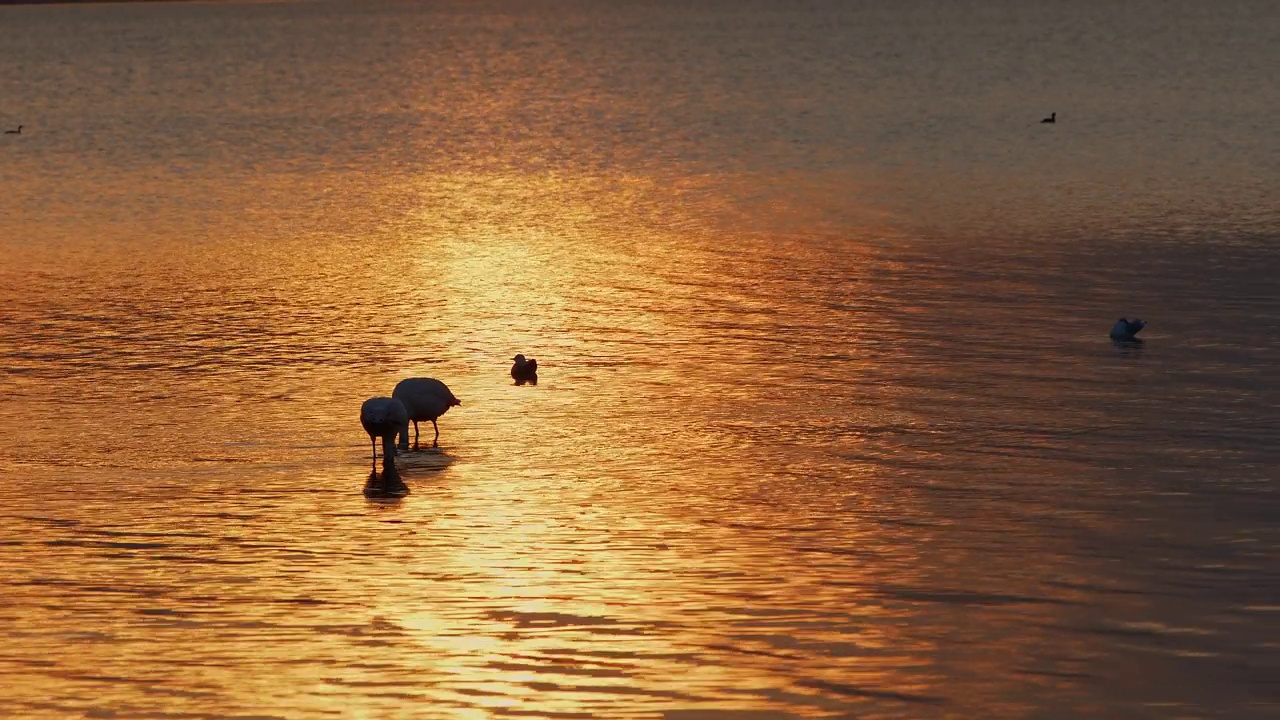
(390, 478)
(374, 447)
(415, 434)
(436, 443)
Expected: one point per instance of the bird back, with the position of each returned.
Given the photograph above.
(424, 398)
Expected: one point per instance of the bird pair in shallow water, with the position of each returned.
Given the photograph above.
(412, 400)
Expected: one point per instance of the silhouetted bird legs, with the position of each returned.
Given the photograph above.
(435, 442)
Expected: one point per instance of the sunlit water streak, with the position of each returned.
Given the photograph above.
(827, 423)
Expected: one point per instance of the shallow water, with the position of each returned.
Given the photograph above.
(827, 423)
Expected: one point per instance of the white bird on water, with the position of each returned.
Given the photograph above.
(524, 371)
(424, 399)
(1126, 329)
(382, 417)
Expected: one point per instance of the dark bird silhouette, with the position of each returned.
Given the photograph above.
(1125, 329)
(382, 417)
(14, 132)
(424, 399)
(1053, 118)
(524, 371)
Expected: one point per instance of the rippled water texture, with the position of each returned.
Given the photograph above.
(828, 424)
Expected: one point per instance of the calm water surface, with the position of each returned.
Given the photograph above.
(828, 426)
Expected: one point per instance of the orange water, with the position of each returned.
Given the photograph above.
(827, 425)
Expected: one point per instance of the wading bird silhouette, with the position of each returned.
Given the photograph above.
(382, 417)
(424, 399)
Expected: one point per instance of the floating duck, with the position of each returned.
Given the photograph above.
(1126, 329)
(524, 371)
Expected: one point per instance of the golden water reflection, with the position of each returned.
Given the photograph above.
(574, 554)
(760, 473)
(790, 454)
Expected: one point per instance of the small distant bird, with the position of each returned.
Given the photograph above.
(1126, 329)
(524, 371)
(1053, 118)
(424, 399)
(14, 132)
(382, 417)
